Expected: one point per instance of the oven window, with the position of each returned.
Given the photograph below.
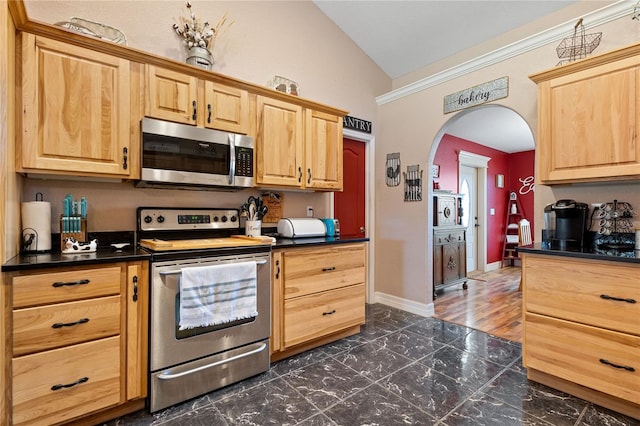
(170, 153)
(191, 332)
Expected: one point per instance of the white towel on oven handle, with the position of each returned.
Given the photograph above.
(217, 294)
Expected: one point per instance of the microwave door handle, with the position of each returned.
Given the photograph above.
(232, 158)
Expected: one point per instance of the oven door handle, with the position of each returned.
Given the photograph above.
(163, 273)
(166, 376)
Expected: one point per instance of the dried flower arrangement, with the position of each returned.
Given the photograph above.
(197, 34)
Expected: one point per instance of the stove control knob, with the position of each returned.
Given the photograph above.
(160, 219)
(224, 218)
(233, 218)
(148, 219)
(216, 218)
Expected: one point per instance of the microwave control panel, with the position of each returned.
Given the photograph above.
(244, 162)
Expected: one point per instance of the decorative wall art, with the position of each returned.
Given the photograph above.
(393, 169)
(413, 183)
(283, 84)
(435, 171)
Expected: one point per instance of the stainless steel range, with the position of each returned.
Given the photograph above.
(227, 344)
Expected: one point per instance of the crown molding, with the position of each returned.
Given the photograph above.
(596, 18)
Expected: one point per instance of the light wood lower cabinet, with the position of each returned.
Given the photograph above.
(79, 341)
(319, 296)
(582, 328)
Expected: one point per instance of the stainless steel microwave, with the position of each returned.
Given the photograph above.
(176, 154)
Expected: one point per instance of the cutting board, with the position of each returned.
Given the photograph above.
(234, 241)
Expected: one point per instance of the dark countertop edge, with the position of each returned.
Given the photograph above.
(536, 248)
(315, 241)
(24, 262)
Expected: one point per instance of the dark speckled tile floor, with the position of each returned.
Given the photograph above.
(401, 369)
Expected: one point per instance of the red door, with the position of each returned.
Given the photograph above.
(349, 204)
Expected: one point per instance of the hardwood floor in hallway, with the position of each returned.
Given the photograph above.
(492, 303)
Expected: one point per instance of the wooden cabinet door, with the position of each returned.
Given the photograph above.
(589, 124)
(226, 108)
(171, 96)
(279, 143)
(75, 110)
(323, 151)
(137, 315)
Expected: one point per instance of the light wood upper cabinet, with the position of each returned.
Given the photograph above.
(279, 143)
(298, 147)
(75, 113)
(589, 119)
(227, 108)
(171, 95)
(323, 150)
(182, 98)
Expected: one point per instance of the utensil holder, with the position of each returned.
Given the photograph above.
(80, 235)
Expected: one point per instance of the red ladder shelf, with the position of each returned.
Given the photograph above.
(510, 242)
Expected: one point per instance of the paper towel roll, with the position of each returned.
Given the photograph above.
(36, 219)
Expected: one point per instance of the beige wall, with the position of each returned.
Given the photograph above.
(412, 125)
(292, 39)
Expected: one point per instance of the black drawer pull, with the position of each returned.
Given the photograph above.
(622, 367)
(617, 299)
(62, 283)
(329, 313)
(333, 268)
(79, 381)
(70, 324)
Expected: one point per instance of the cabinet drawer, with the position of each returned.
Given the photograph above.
(56, 287)
(310, 317)
(313, 271)
(580, 354)
(53, 326)
(34, 376)
(449, 236)
(591, 293)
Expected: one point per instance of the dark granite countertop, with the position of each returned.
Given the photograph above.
(316, 241)
(610, 254)
(23, 262)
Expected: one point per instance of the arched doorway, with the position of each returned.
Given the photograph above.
(499, 129)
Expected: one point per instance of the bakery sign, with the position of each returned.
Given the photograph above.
(477, 95)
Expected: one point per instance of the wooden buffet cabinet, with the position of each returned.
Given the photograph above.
(318, 296)
(582, 328)
(449, 242)
(589, 119)
(78, 342)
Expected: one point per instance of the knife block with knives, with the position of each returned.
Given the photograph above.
(73, 220)
(76, 227)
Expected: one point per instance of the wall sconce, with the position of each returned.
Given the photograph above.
(499, 181)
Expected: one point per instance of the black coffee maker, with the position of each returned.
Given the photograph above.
(566, 225)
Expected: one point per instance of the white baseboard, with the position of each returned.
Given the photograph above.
(425, 310)
(493, 266)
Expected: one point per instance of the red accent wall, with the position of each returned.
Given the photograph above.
(512, 166)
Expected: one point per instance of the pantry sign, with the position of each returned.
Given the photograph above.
(477, 95)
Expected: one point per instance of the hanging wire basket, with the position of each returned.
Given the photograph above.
(578, 46)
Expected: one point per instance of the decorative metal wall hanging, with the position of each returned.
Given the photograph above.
(578, 46)
(393, 169)
(413, 183)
